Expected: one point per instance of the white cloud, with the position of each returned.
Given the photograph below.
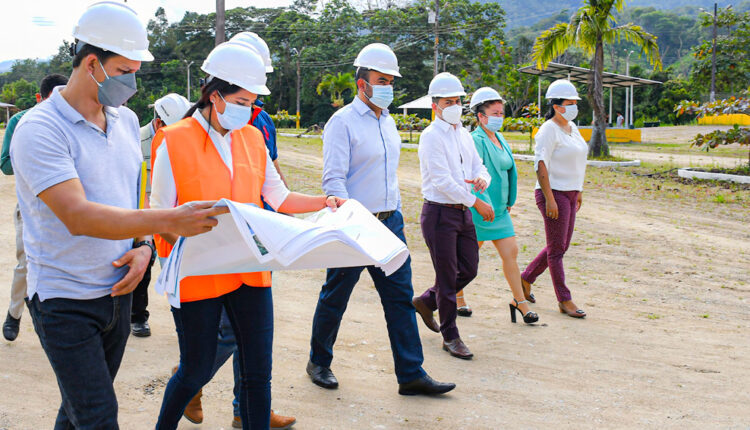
(36, 28)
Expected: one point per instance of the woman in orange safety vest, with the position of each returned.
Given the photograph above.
(211, 154)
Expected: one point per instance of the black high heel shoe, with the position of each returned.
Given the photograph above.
(529, 318)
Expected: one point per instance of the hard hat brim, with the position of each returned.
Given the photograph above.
(135, 55)
(563, 98)
(391, 72)
(451, 94)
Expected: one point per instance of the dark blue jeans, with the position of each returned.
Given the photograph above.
(227, 347)
(84, 341)
(250, 311)
(395, 292)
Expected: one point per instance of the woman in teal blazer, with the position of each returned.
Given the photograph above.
(501, 194)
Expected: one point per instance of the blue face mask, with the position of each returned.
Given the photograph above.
(494, 123)
(235, 116)
(382, 95)
(115, 90)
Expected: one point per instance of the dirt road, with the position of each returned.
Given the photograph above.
(665, 283)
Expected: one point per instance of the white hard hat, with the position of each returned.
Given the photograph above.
(446, 85)
(115, 27)
(379, 57)
(256, 42)
(482, 95)
(562, 89)
(171, 108)
(238, 65)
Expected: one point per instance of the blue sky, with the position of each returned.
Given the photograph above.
(39, 26)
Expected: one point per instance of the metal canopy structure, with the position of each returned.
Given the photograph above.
(424, 102)
(7, 107)
(581, 74)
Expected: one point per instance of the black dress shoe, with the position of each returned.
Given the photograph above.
(10, 327)
(425, 385)
(322, 376)
(140, 329)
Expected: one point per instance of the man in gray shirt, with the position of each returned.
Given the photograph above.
(77, 161)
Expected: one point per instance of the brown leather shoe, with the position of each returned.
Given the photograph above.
(278, 422)
(194, 409)
(458, 348)
(426, 314)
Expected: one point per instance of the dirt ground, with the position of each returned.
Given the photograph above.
(665, 280)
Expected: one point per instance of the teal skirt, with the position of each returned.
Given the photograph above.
(500, 228)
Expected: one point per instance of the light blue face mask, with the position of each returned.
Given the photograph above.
(235, 116)
(494, 123)
(382, 95)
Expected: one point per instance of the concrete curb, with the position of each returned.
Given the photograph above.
(592, 163)
(304, 136)
(689, 173)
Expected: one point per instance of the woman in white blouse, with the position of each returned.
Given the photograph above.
(560, 164)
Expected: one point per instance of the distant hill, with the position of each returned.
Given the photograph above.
(528, 12)
(5, 66)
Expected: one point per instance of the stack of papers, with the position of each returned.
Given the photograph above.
(251, 239)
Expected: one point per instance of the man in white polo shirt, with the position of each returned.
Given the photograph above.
(77, 160)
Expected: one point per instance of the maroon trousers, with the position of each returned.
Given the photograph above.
(559, 232)
(452, 241)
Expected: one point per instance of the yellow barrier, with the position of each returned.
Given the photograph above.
(735, 118)
(618, 135)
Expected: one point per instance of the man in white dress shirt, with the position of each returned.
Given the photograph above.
(450, 167)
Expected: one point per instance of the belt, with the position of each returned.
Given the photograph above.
(448, 205)
(382, 216)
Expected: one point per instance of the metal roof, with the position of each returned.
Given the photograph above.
(581, 74)
(424, 102)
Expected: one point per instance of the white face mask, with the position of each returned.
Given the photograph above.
(571, 111)
(452, 114)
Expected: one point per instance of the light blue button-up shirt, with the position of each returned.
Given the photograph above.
(360, 157)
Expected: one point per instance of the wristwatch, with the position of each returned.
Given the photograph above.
(150, 245)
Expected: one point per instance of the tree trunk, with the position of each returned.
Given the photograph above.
(598, 144)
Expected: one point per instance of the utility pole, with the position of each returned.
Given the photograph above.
(437, 27)
(220, 23)
(299, 79)
(188, 76)
(712, 96)
(627, 98)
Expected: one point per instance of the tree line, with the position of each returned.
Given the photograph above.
(321, 43)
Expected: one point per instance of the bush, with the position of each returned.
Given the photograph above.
(282, 119)
(410, 122)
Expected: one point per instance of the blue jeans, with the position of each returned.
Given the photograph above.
(227, 347)
(250, 312)
(396, 293)
(84, 341)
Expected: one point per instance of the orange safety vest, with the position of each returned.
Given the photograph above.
(200, 174)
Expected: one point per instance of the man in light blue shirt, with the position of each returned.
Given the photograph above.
(361, 148)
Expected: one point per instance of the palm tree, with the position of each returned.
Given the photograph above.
(336, 85)
(590, 28)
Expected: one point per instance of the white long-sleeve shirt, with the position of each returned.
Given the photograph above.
(564, 156)
(447, 156)
(164, 189)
